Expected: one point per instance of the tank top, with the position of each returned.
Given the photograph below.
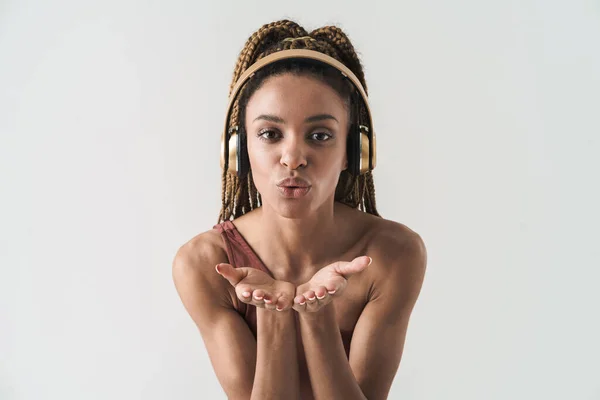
(240, 254)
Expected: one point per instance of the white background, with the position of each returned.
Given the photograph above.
(487, 115)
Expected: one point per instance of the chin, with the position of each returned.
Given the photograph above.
(293, 211)
(291, 208)
(299, 208)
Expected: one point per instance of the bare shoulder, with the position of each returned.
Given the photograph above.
(391, 239)
(204, 247)
(194, 264)
(399, 257)
(199, 252)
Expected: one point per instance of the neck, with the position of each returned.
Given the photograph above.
(299, 246)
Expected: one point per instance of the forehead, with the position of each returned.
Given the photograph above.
(295, 94)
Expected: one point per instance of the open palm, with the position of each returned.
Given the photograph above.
(253, 286)
(328, 282)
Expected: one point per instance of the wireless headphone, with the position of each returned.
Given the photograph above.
(361, 148)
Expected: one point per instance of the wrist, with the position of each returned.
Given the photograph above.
(320, 316)
(275, 318)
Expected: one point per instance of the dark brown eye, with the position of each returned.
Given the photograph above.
(321, 136)
(267, 135)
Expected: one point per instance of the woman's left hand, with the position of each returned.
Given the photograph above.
(328, 282)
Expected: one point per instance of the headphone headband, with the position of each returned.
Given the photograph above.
(302, 54)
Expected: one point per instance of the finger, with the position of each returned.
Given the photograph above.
(249, 295)
(300, 304)
(270, 306)
(332, 289)
(245, 295)
(300, 299)
(310, 296)
(358, 264)
(338, 288)
(258, 296)
(284, 303)
(312, 304)
(257, 300)
(269, 301)
(321, 292)
(233, 275)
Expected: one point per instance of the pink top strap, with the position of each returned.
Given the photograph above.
(239, 252)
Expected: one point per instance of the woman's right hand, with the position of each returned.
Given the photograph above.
(253, 286)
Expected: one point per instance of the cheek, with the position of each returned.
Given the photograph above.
(330, 167)
(261, 163)
(260, 159)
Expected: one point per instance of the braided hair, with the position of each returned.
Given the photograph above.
(239, 194)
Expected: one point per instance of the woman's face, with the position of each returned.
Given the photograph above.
(297, 128)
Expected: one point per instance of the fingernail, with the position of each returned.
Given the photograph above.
(278, 309)
(258, 298)
(311, 298)
(246, 294)
(268, 301)
(370, 261)
(321, 298)
(331, 291)
(303, 303)
(217, 268)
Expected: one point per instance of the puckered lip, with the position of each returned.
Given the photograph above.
(293, 182)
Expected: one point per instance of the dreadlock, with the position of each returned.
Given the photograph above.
(239, 195)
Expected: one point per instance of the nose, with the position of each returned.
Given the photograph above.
(293, 155)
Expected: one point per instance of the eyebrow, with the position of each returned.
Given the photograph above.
(313, 118)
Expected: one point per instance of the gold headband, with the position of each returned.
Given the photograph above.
(292, 39)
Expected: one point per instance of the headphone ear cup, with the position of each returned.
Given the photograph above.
(353, 150)
(365, 165)
(232, 154)
(373, 151)
(243, 163)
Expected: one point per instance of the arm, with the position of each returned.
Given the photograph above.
(277, 375)
(330, 374)
(237, 358)
(380, 332)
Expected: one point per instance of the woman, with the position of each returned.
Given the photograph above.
(313, 290)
